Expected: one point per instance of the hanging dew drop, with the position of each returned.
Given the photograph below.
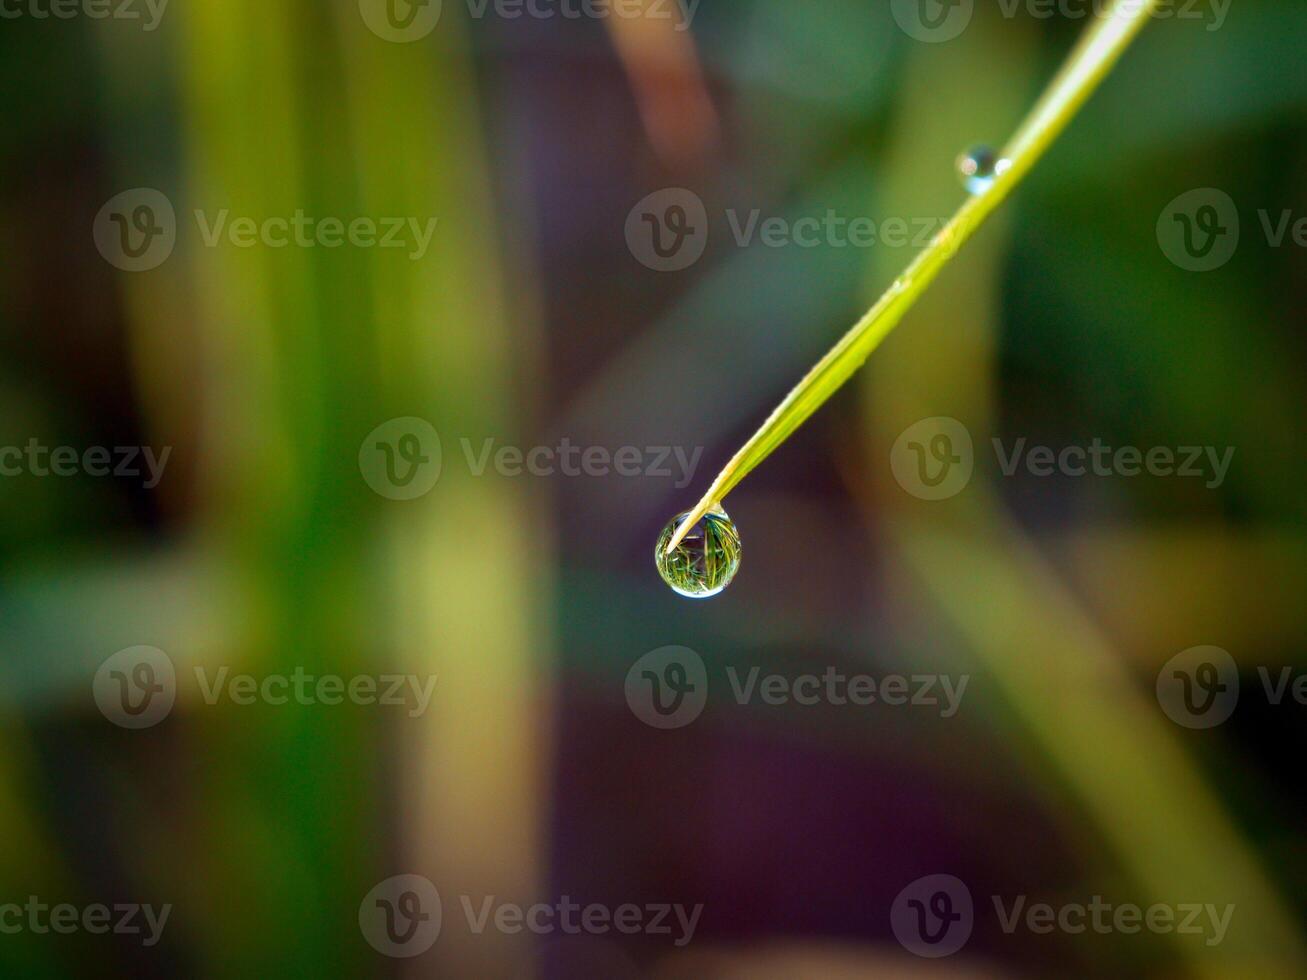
(978, 168)
(705, 561)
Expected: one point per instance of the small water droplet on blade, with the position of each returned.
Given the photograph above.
(978, 167)
(705, 561)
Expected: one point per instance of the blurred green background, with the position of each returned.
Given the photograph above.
(265, 549)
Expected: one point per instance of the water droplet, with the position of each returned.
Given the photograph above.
(707, 558)
(978, 168)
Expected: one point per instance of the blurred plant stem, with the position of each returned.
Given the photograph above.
(282, 397)
(467, 564)
(1106, 743)
(1098, 738)
(660, 58)
(306, 350)
(1094, 56)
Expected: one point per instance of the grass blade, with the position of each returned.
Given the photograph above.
(1093, 57)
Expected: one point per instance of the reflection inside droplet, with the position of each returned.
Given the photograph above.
(978, 167)
(705, 561)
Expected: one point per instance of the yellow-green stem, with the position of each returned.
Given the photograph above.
(1093, 57)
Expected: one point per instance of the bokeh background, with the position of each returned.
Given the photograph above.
(531, 319)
